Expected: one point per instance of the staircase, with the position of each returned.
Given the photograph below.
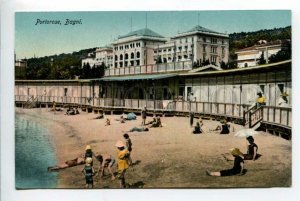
(252, 117)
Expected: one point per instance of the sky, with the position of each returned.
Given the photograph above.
(101, 28)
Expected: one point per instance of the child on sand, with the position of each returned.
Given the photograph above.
(106, 161)
(107, 122)
(123, 155)
(129, 146)
(88, 172)
(237, 169)
(89, 153)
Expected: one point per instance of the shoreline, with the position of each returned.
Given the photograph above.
(167, 157)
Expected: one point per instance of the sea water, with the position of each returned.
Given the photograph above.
(33, 154)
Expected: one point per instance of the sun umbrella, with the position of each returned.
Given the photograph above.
(246, 132)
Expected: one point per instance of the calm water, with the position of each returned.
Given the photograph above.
(34, 153)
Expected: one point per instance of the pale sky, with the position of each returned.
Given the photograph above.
(101, 28)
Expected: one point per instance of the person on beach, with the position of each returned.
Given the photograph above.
(53, 106)
(89, 153)
(144, 115)
(123, 155)
(261, 100)
(197, 129)
(156, 123)
(251, 150)
(88, 172)
(283, 101)
(238, 166)
(139, 129)
(105, 161)
(224, 128)
(107, 122)
(129, 147)
(192, 115)
(122, 120)
(67, 164)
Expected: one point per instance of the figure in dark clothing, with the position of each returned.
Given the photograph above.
(197, 129)
(88, 172)
(238, 165)
(251, 150)
(192, 115)
(144, 115)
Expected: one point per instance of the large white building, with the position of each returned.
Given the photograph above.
(145, 51)
(102, 55)
(250, 56)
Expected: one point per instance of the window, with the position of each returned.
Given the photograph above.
(262, 88)
(132, 55)
(138, 44)
(181, 91)
(121, 57)
(169, 50)
(126, 46)
(138, 55)
(66, 91)
(116, 58)
(214, 40)
(121, 64)
(281, 87)
(126, 56)
(213, 49)
(213, 59)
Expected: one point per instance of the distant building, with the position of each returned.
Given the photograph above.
(145, 51)
(136, 48)
(102, 55)
(250, 56)
(20, 68)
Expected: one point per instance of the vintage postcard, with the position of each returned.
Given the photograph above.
(153, 99)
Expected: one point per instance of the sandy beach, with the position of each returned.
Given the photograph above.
(167, 157)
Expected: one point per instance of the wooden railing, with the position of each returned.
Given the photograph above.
(250, 116)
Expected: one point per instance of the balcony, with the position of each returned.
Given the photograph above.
(148, 69)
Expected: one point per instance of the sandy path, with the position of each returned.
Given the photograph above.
(167, 157)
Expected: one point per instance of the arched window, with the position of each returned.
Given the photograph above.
(132, 55)
(245, 65)
(121, 57)
(116, 57)
(126, 56)
(138, 55)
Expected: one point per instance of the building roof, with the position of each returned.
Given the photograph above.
(206, 68)
(200, 29)
(203, 30)
(272, 66)
(268, 44)
(142, 32)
